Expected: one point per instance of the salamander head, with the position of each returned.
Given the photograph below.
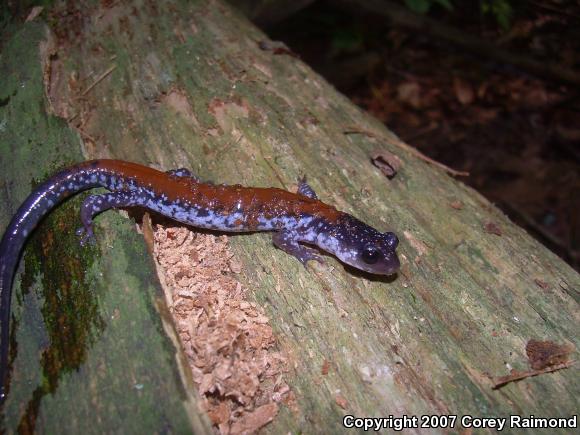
(360, 245)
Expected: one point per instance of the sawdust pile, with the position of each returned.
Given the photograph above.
(228, 341)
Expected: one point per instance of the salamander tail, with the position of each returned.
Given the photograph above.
(38, 204)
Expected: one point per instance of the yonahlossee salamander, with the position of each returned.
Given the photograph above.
(294, 218)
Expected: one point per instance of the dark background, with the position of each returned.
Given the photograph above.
(491, 88)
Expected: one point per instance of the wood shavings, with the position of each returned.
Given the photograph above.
(341, 401)
(228, 341)
(256, 419)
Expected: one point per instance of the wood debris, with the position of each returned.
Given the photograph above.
(387, 162)
(228, 341)
(492, 228)
(542, 354)
(543, 357)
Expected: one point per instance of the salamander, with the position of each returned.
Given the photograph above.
(294, 218)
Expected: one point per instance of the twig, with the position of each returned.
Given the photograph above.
(414, 151)
(504, 380)
(96, 82)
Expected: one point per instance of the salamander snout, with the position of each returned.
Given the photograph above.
(378, 257)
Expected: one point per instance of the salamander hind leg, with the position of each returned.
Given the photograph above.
(305, 189)
(287, 242)
(95, 204)
(183, 173)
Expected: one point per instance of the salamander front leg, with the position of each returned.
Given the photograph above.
(287, 242)
(96, 204)
(305, 189)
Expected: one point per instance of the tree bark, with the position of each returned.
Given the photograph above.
(184, 84)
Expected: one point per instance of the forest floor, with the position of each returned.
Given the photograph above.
(516, 134)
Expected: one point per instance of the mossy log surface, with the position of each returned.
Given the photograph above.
(184, 84)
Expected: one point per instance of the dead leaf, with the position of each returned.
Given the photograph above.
(410, 93)
(536, 97)
(543, 357)
(542, 354)
(34, 12)
(463, 91)
(457, 205)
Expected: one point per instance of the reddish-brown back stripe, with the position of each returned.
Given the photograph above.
(254, 202)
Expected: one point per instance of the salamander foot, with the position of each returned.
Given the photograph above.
(286, 241)
(86, 234)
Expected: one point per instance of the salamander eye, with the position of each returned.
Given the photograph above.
(370, 255)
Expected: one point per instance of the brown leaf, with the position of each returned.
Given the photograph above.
(542, 354)
(34, 12)
(410, 93)
(457, 205)
(463, 91)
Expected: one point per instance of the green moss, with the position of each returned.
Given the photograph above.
(70, 309)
